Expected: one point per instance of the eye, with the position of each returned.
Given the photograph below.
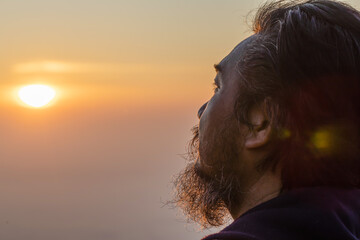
(216, 87)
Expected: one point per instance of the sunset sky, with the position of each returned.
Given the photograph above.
(97, 162)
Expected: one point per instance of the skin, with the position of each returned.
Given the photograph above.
(253, 146)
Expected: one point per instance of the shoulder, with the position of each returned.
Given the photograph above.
(231, 236)
(313, 213)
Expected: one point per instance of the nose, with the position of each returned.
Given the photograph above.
(201, 110)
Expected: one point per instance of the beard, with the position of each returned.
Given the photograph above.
(208, 197)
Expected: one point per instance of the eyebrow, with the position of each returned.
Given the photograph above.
(218, 67)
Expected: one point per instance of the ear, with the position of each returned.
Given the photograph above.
(261, 133)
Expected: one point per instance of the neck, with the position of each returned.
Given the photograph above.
(264, 188)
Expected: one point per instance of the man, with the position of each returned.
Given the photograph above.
(277, 146)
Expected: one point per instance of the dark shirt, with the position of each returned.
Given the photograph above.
(313, 213)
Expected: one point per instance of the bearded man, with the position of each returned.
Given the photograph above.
(277, 146)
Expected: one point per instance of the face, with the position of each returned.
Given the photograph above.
(210, 186)
(217, 115)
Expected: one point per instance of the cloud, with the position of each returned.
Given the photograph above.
(62, 67)
(45, 67)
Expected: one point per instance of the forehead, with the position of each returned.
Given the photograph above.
(237, 53)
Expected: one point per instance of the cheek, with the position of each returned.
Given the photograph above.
(207, 130)
(210, 117)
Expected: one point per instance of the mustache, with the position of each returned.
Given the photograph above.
(193, 147)
(193, 155)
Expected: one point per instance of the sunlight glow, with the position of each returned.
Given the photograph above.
(45, 67)
(36, 95)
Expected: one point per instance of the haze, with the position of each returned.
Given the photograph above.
(130, 77)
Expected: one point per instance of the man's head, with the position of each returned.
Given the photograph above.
(287, 99)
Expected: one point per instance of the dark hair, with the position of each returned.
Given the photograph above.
(305, 66)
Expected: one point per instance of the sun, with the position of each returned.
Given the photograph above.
(36, 95)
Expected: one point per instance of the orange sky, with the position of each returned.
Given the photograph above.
(130, 76)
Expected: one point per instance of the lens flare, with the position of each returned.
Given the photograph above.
(36, 95)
